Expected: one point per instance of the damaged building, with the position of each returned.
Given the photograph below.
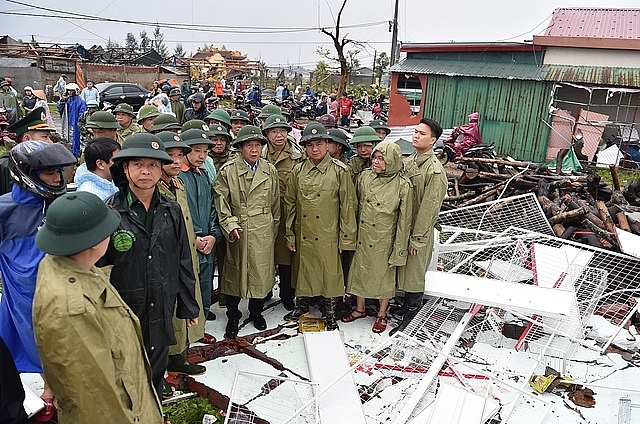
(585, 69)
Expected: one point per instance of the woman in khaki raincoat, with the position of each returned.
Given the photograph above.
(384, 222)
(248, 204)
(429, 188)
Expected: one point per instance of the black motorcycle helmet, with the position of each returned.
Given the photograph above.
(28, 158)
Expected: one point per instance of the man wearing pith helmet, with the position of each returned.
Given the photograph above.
(248, 204)
(200, 199)
(103, 124)
(381, 128)
(219, 117)
(146, 116)
(363, 141)
(171, 186)
(90, 341)
(320, 205)
(239, 119)
(149, 251)
(267, 111)
(284, 155)
(125, 115)
(166, 122)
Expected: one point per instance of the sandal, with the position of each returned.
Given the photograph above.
(353, 315)
(47, 413)
(380, 325)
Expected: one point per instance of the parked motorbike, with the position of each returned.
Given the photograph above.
(300, 109)
(242, 103)
(445, 153)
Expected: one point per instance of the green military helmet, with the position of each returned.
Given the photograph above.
(220, 115)
(249, 133)
(195, 136)
(217, 129)
(240, 115)
(93, 104)
(314, 131)
(379, 124)
(165, 122)
(364, 134)
(175, 91)
(197, 124)
(143, 145)
(147, 111)
(103, 119)
(75, 222)
(124, 108)
(172, 140)
(276, 121)
(269, 110)
(339, 136)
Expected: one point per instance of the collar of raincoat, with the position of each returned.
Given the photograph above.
(392, 157)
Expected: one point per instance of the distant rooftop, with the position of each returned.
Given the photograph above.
(593, 28)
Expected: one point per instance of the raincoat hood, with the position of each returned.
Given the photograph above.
(392, 157)
(474, 117)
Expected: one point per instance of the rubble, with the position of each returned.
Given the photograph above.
(578, 207)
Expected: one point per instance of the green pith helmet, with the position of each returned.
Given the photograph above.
(124, 108)
(364, 134)
(338, 136)
(143, 145)
(315, 131)
(406, 147)
(103, 119)
(93, 103)
(276, 121)
(217, 129)
(166, 122)
(36, 120)
(269, 110)
(75, 222)
(147, 111)
(249, 133)
(197, 124)
(196, 136)
(220, 115)
(172, 140)
(239, 115)
(379, 124)
(174, 92)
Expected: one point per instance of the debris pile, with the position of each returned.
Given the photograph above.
(578, 207)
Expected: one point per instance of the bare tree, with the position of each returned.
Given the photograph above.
(340, 43)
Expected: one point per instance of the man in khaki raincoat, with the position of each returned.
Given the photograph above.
(90, 341)
(320, 207)
(429, 188)
(284, 155)
(125, 115)
(171, 186)
(248, 204)
(384, 223)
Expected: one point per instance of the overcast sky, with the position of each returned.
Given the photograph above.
(284, 32)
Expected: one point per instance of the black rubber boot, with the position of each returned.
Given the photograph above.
(178, 364)
(400, 307)
(330, 305)
(255, 314)
(302, 307)
(287, 294)
(233, 317)
(414, 302)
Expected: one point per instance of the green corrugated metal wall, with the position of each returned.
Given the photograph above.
(511, 111)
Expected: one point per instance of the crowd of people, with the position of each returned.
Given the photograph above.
(115, 280)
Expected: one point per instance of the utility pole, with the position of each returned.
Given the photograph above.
(394, 36)
(373, 77)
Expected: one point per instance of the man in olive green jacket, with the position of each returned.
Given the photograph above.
(248, 205)
(429, 188)
(284, 155)
(125, 115)
(320, 205)
(90, 341)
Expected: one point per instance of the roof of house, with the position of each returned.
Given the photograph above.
(593, 28)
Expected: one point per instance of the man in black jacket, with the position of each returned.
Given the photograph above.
(149, 251)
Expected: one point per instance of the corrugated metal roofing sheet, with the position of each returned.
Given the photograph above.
(470, 69)
(600, 75)
(595, 23)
